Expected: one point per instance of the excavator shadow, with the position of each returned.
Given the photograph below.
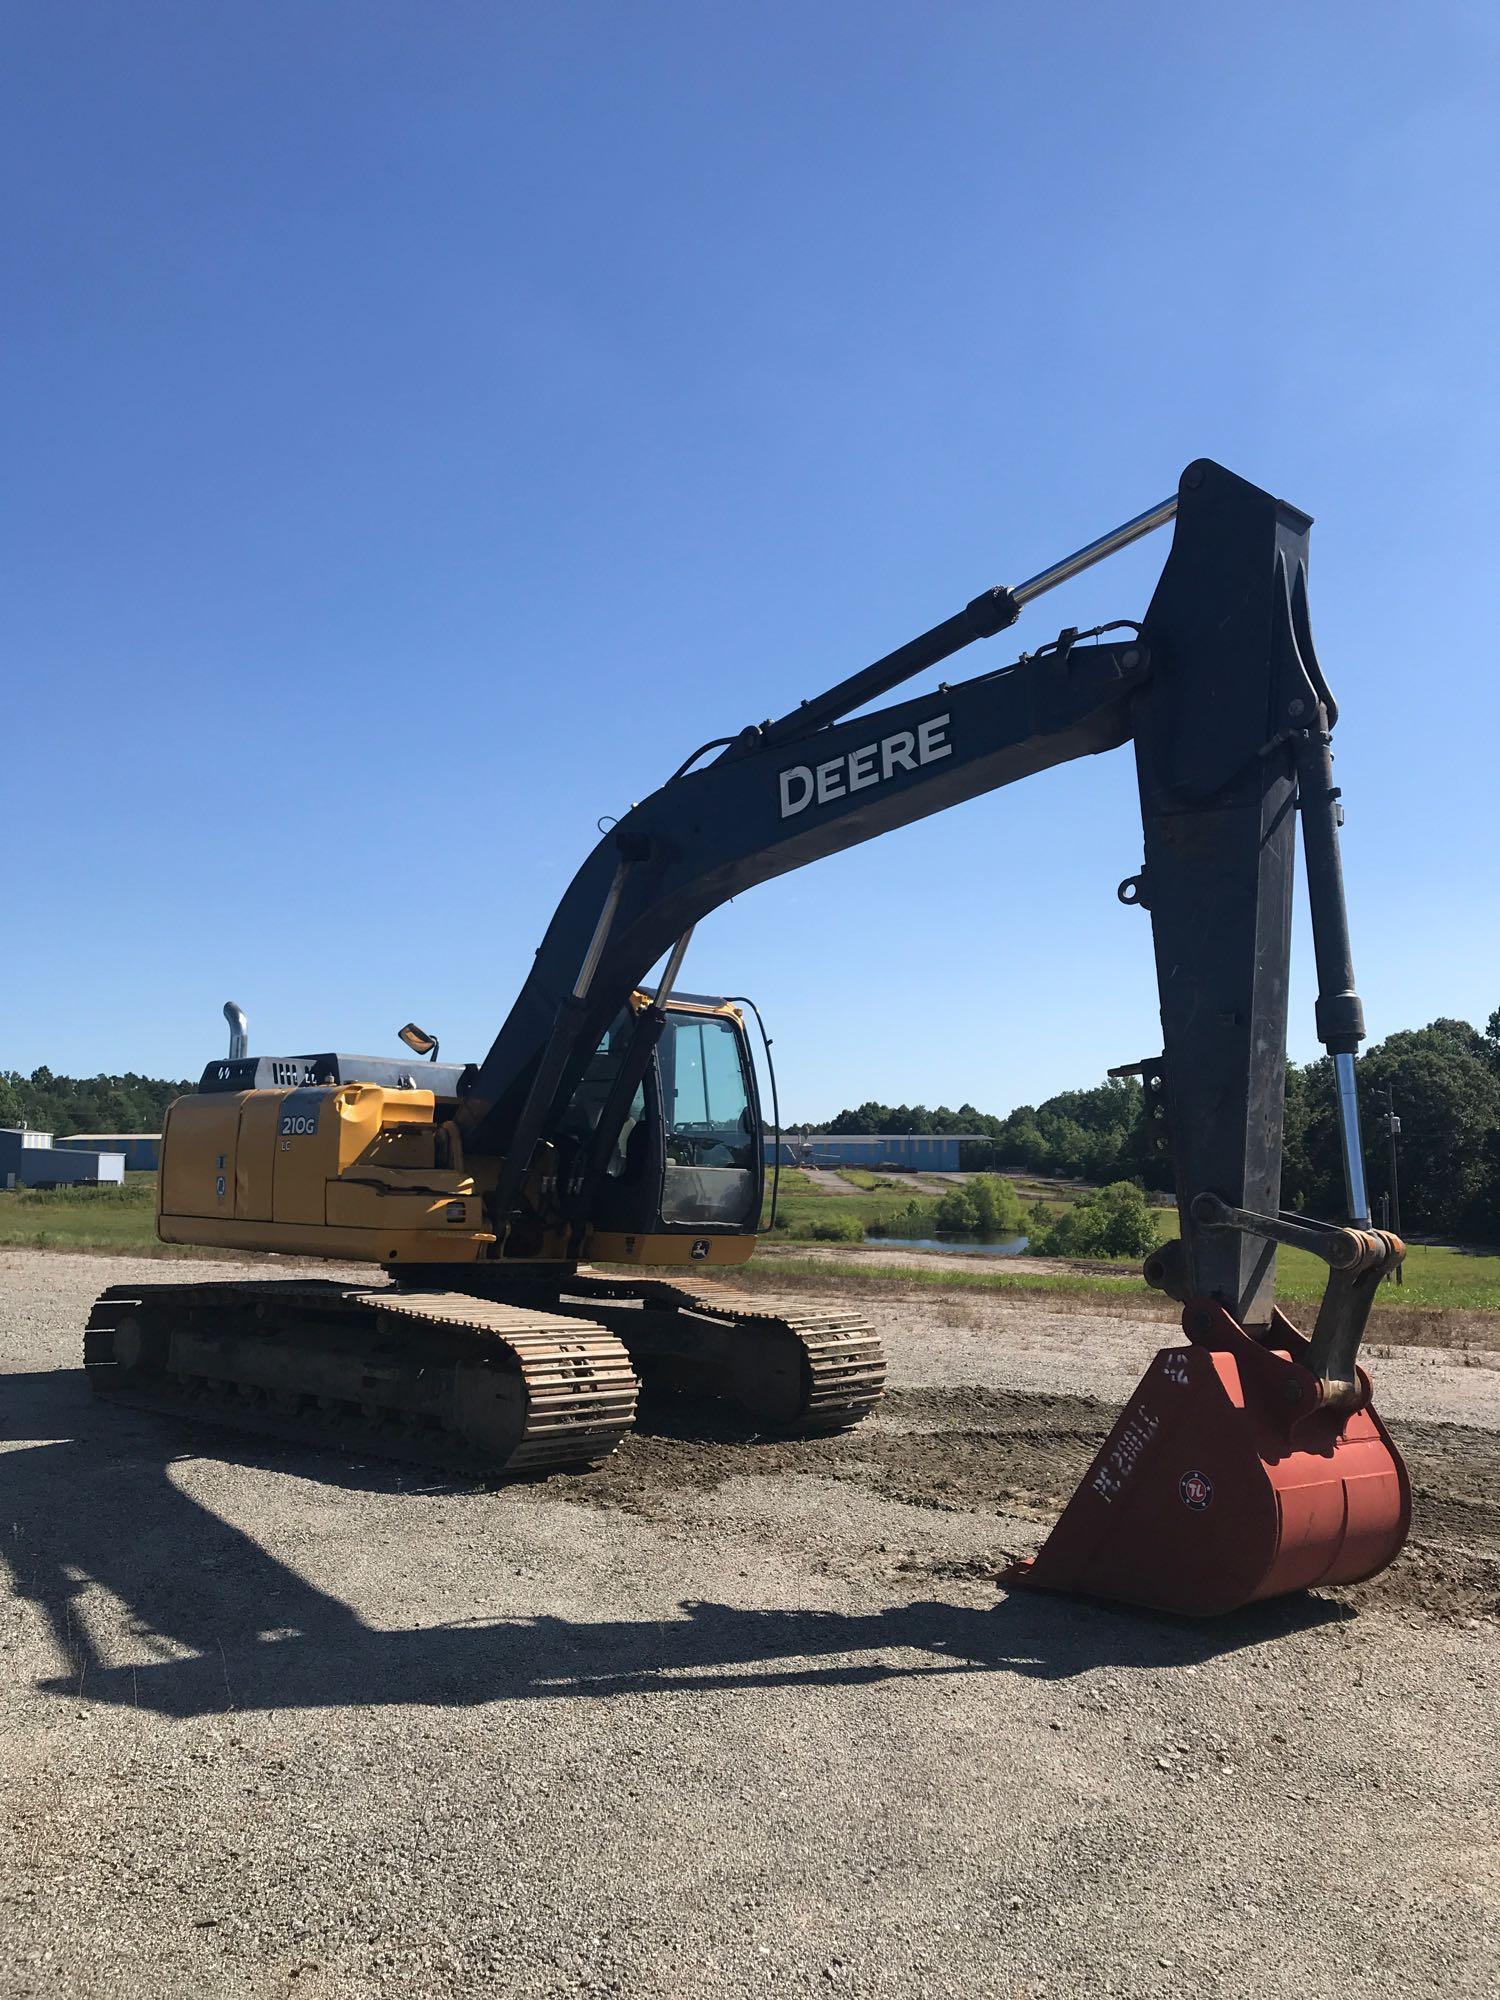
(212, 1621)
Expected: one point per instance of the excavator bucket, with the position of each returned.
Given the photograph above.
(1229, 1476)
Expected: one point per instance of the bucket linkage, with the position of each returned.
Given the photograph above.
(1244, 1466)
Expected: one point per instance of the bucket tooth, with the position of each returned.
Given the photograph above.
(1226, 1479)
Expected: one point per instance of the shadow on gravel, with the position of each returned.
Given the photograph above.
(219, 1623)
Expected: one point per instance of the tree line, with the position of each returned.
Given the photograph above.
(67, 1104)
(1441, 1081)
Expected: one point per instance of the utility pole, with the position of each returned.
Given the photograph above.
(1392, 1128)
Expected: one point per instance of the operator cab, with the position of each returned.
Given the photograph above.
(688, 1156)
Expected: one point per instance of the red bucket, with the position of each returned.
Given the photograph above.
(1228, 1478)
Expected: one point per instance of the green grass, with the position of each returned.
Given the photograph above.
(869, 1183)
(799, 1211)
(1457, 1280)
(1435, 1278)
(123, 1219)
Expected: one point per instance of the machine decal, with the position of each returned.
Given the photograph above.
(299, 1114)
(1109, 1481)
(1174, 1367)
(871, 764)
(1197, 1490)
(700, 1248)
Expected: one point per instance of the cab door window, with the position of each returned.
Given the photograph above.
(712, 1173)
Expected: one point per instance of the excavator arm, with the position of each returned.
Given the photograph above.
(1220, 690)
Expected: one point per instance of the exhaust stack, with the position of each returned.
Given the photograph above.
(239, 1030)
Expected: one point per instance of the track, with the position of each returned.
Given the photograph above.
(439, 1378)
(805, 1368)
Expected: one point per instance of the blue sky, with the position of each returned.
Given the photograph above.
(424, 425)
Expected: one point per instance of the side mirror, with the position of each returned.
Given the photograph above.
(418, 1040)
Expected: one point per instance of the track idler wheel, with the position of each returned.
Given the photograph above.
(489, 1409)
(770, 1376)
(141, 1347)
(1228, 1478)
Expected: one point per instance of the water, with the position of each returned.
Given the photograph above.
(964, 1246)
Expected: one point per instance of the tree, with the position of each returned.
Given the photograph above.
(1445, 1086)
(66, 1104)
(984, 1206)
(1113, 1221)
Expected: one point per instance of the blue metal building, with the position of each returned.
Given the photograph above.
(907, 1152)
(29, 1159)
(141, 1151)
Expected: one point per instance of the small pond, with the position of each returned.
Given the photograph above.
(965, 1246)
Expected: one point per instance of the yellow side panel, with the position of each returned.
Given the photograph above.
(360, 1246)
(353, 1205)
(404, 1107)
(294, 1170)
(198, 1157)
(320, 1134)
(255, 1156)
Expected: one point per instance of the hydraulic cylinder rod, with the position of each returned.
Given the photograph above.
(1340, 1017)
(1094, 552)
(981, 618)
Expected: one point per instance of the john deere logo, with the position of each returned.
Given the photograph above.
(700, 1248)
(1196, 1490)
(872, 764)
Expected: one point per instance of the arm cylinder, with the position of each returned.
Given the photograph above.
(1356, 1197)
(1094, 552)
(1340, 1017)
(981, 618)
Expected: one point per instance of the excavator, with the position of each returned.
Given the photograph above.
(542, 1220)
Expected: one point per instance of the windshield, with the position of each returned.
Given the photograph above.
(707, 1101)
(710, 1170)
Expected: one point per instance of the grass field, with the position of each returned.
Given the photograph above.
(1435, 1278)
(869, 1183)
(124, 1219)
(86, 1218)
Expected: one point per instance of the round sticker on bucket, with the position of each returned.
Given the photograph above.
(1197, 1489)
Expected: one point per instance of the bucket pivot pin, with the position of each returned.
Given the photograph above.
(1357, 1260)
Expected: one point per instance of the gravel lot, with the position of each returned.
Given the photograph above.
(726, 1718)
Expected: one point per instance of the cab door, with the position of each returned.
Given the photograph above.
(713, 1162)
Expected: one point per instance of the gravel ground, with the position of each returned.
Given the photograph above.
(724, 1718)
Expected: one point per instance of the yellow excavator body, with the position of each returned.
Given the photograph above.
(365, 1173)
(347, 1171)
(484, 1353)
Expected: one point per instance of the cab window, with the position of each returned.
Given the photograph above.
(711, 1167)
(589, 1099)
(707, 1100)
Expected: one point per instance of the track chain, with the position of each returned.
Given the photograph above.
(844, 1359)
(570, 1380)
